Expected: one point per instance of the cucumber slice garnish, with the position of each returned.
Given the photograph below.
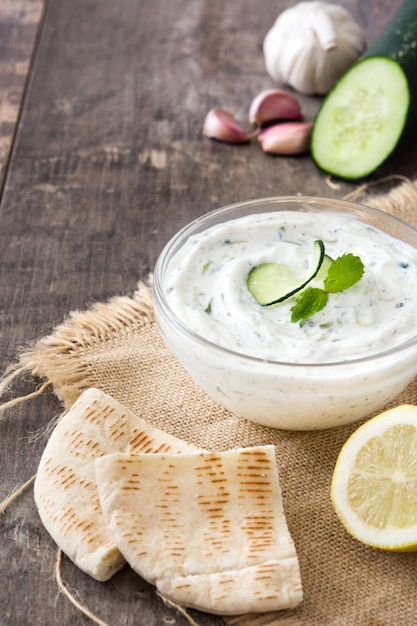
(321, 275)
(272, 283)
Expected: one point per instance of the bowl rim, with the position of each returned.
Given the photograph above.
(159, 296)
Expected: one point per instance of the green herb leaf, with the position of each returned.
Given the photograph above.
(205, 267)
(311, 301)
(344, 272)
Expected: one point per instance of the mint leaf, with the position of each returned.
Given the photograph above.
(344, 272)
(311, 301)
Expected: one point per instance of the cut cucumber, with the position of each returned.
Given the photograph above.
(361, 120)
(373, 105)
(271, 283)
(318, 280)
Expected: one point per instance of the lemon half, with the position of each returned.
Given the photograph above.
(374, 483)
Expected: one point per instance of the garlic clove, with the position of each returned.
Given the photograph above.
(220, 124)
(274, 104)
(286, 138)
(324, 27)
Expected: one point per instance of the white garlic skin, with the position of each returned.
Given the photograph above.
(311, 45)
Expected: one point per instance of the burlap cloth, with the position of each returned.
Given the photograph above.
(115, 346)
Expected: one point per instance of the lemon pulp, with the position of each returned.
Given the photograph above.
(382, 489)
(374, 484)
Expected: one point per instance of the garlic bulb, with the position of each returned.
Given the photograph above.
(311, 45)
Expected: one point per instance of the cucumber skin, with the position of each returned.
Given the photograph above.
(398, 42)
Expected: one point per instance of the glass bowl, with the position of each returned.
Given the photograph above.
(278, 392)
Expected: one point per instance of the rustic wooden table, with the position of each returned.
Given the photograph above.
(102, 159)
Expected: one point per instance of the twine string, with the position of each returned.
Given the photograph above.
(15, 494)
(178, 608)
(70, 596)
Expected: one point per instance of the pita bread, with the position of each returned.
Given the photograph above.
(213, 536)
(65, 486)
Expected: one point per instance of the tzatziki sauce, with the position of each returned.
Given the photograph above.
(206, 287)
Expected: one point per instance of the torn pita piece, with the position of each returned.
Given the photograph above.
(65, 486)
(208, 529)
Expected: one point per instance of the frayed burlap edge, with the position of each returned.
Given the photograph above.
(400, 201)
(55, 359)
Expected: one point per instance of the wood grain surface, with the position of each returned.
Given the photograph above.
(19, 22)
(108, 161)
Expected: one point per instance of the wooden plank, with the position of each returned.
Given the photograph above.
(19, 22)
(109, 162)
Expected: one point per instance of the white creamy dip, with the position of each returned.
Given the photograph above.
(206, 286)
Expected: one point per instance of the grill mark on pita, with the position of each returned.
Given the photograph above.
(98, 413)
(174, 541)
(254, 491)
(224, 494)
(164, 447)
(65, 475)
(81, 446)
(211, 457)
(226, 585)
(142, 442)
(213, 505)
(261, 460)
(141, 555)
(109, 543)
(68, 479)
(118, 428)
(266, 568)
(70, 522)
(260, 521)
(176, 549)
(255, 484)
(126, 462)
(252, 452)
(225, 579)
